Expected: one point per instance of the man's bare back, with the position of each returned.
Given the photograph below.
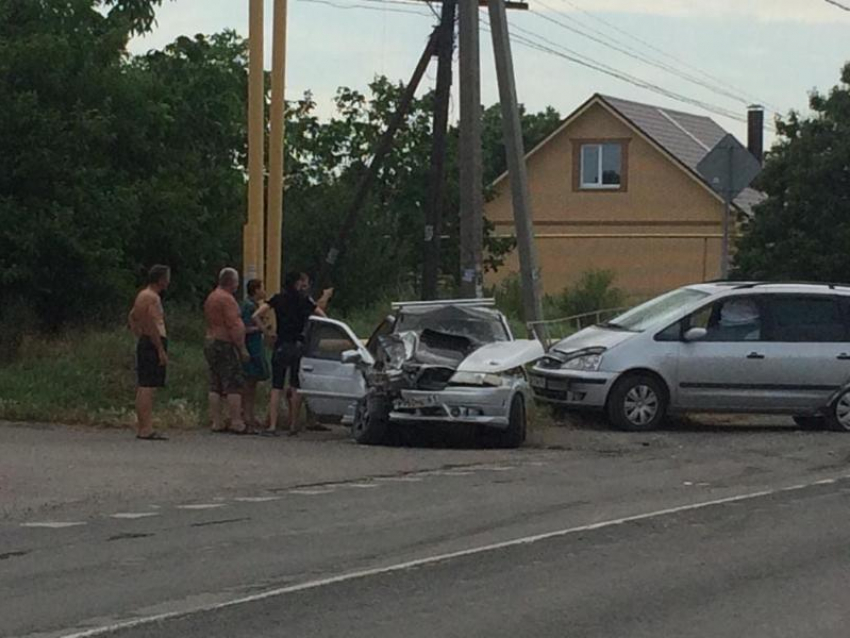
(147, 317)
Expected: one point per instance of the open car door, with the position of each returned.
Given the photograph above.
(330, 386)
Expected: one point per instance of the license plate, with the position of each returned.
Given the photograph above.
(538, 382)
(421, 402)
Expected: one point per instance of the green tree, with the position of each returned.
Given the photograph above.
(802, 230)
(61, 233)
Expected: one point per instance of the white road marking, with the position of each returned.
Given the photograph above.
(54, 524)
(399, 479)
(133, 515)
(201, 506)
(455, 473)
(256, 499)
(310, 492)
(441, 558)
(361, 486)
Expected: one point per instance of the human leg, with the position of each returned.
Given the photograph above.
(144, 411)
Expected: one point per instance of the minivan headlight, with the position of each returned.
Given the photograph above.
(587, 361)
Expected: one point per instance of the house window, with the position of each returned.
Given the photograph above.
(601, 166)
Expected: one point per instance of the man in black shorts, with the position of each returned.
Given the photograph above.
(147, 321)
(292, 309)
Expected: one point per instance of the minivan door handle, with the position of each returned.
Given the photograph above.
(843, 357)
(306, 368)
(755, 355)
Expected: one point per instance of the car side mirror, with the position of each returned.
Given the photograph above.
(695, 334)
(351, 356)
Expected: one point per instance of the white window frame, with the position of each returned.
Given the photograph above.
(600, 186)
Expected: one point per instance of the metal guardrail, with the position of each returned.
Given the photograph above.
(551, 331)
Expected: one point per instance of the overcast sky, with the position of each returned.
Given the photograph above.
(771, 51)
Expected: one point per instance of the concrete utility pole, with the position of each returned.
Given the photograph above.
(514, 148)
(252, 242)
(275, 193)
(381, 149)
(437, 172)
(471, 196)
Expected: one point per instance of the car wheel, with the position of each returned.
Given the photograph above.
(514, 436)
(370, 420)
(810, 422)
(839, 417)
(637, 403)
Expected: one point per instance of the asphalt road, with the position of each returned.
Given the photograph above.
(682, 533)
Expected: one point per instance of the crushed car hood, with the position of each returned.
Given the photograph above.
(502, 356)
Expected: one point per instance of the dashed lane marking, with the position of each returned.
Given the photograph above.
(133, 515)
(256, 499)
(361, 486)
(441, 558)
(201, 506)
(54, 524)
(310, 492)
(400, 479)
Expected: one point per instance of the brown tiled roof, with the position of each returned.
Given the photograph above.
(687, 137)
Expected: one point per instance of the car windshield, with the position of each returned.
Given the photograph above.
(481, 325)
(656, 311)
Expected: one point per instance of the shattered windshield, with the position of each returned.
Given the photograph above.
(480, 325)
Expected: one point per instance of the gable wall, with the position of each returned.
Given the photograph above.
(661, 232)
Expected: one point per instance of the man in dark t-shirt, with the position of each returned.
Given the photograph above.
(293, 308)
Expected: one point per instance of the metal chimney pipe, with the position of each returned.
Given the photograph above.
(755, 131)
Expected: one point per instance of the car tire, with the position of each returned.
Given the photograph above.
(839, 413)
(514, 435)
(371, 422)
(637, 403)
(810, 422)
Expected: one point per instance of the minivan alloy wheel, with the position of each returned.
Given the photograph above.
(841, 418)
(641, 404)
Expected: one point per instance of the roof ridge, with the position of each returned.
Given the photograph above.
(655, 106)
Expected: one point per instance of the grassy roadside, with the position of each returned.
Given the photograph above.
(89, 377)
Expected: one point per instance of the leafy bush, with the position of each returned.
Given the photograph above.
(594, 291)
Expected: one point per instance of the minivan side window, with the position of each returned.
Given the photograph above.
(727, 320)
(809, 319)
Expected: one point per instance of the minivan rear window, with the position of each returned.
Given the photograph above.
(656, 311)
(812, 319)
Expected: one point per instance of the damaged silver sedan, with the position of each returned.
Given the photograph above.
(451, 362)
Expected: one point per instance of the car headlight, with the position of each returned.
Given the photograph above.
(589, 362)
(479, 378)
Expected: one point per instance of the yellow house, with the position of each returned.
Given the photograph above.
(616, 187)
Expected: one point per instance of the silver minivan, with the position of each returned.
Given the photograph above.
(781, 348)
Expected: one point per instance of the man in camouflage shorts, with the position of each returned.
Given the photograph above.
(224, 349)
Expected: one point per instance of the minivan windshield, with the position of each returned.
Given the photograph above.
(656, 311)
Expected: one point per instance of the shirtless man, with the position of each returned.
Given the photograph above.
(147, 321)
(225, 352)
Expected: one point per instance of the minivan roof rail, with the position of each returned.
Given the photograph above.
(479, 303)
(830, 285)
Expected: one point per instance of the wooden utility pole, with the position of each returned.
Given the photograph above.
(275, 193)
(437, 172)
(471, 195)
(252, 242)
(515, 151)
(382, 148)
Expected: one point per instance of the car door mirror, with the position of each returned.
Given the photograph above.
(351, 356)
(695, 334)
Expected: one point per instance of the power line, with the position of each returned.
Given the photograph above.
(539, 43)
(718, 81)
(347, 6)
(634, 54)
(839, 5)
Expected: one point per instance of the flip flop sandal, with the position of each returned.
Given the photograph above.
(156, 436)
(245, 432)
(272, 433)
